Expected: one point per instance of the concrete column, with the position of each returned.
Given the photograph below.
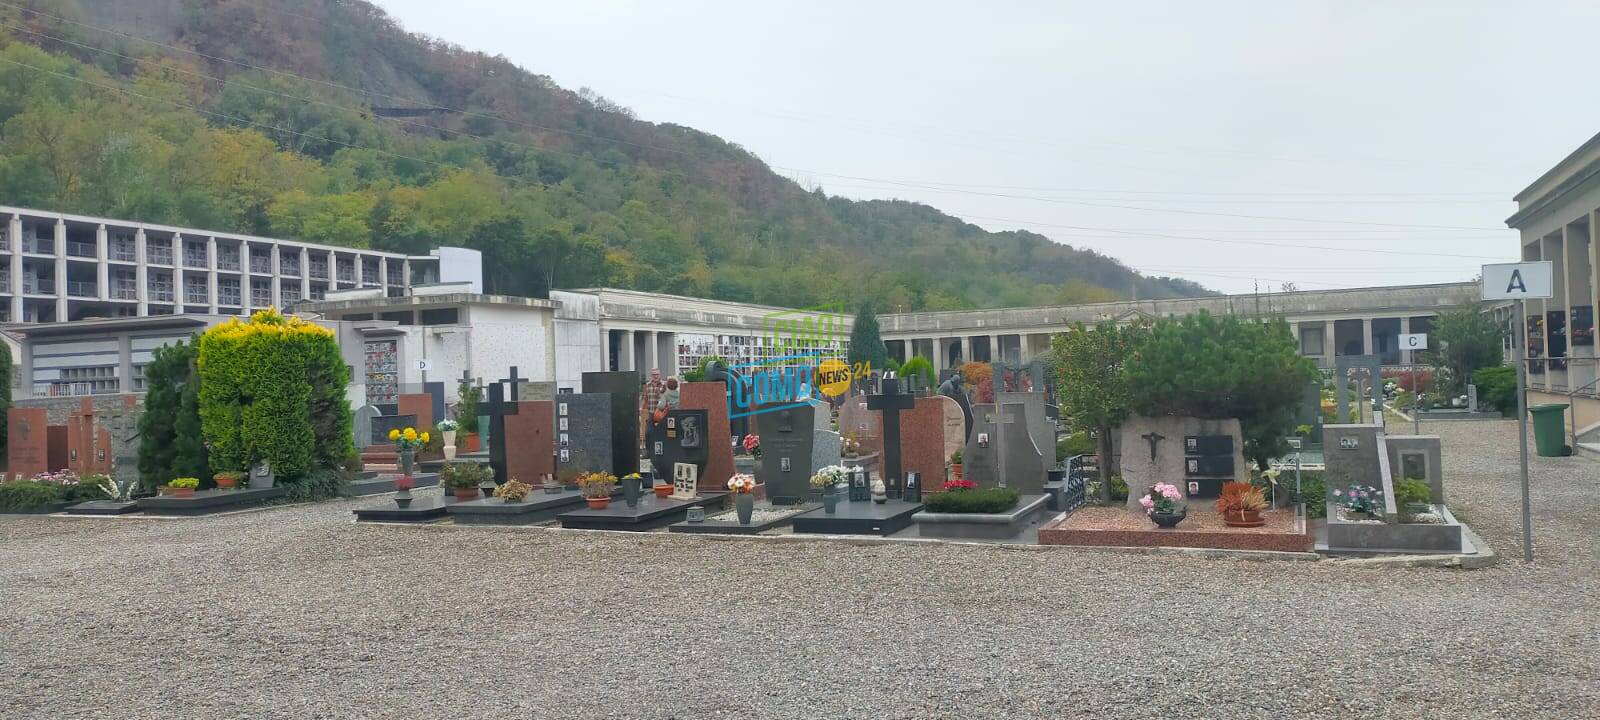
(1405, 329)
(966, 348)
(61, 270)
(405, 272)
(1366, 336)
(125, 364)
(14, 242)
(277, 280)
(305, 274)
(211, 273)
(652, 358)
(244, 278)
(938, 356)
(141, 272)
(905, 350)
(383, 273)
(177, 274)
(1329, 351)
(994, 348)
(102, 268)
(625, 351)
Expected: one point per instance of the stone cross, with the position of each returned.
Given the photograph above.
(498, 408)
(515, 393)
(1153, 437)
(891, 402)
(1002, 417)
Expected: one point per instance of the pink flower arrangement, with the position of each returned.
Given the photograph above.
(742, 483)
(752, 444)
(1162, 498)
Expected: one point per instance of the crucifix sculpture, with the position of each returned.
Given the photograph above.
(891, 402)
(1153, 437)
(498, 407)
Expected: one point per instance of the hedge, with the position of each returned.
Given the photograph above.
(273, 389)
(169, 430)
(982, 500)
(28, 496)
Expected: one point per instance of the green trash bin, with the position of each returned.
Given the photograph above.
(1549, 428)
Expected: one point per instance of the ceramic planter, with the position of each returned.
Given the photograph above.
(744, 504)
(402, 499)
(166, 490)
(470, 442)
(449, 440)
(630, 491)
(1245, 518)
(830, 500)
(449, 453)
(464, 494)
(183, 492)
(599, 503)
(1168, 520)
(955, 471)
(408, 462)
(663, 490)
(225, 482)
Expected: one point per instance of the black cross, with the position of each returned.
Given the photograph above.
(466, 377)
(515, 395)
(497, 409)
(891, 402)
(1153, 437)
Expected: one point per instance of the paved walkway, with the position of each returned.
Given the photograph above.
(298, 613)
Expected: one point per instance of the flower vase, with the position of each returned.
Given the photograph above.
(449, 453)
(630, 491)
(744, 504)
(830, 500)
(449, 442)
(408, 462)
(1168, 520)
(402, 499)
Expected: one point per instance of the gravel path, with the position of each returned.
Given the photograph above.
(298, 613)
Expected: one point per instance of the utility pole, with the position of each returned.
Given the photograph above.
(1521, 355)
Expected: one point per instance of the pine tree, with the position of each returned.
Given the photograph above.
(866, 345)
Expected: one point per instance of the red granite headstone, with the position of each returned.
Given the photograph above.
(712, 397)
(88, 443)
(865, 425)
(56, 454)
(923, 443)
(28, 441)
(530, 447)
(420, 405)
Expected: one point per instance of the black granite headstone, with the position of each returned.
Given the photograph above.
(860, 488)
(623, 389)
(680, 437)
(584, 441)
(382, 424)
(787, 435)
(435, 391)
(497, 408)
(891, 402)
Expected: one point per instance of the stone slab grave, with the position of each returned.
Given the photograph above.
(1364, 454)
(862, 517)
(891, 405)
(720, 429)
(28, 441)
(766, 517)
(623, 389)
(1029, 511)
(206, 502)
(89, 439)
(788, 437)
(583, 441)
(930, 433)
(104, 507)
(1040, 428)
(378, 484)
(651, 513)
(1195, 454)
(423, 509)
(537, 507)
(1001, 452)
(680, 438)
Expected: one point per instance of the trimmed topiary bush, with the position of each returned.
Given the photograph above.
(273, 389)
(920, 366)
(984, 500)
(28, 496)
(170, 442)
(1497, 386)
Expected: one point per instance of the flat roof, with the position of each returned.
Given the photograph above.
(415, 301)
(148, 322)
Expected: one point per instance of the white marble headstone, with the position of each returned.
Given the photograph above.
(684, 476)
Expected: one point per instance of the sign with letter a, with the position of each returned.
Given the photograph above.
(1517, 281)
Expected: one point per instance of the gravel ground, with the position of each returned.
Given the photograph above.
(298, 613)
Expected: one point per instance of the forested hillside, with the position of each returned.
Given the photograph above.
(325, 120)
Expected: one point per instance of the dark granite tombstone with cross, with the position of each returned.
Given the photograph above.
(891, 402)
(499, 405)
(788, 435)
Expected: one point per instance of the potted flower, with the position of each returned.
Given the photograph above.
(752, 445)
(1360, 502)
(631, 485)
(514, 491)
(743, 486)
(1241, 504)
(448, 428)
(228, 479)
(828, 480)
(1161, 505)
(955, 464)
(850, 447)
(462, 479)
(1413, 496)
(183, 487)
(409, 441)
(959, 485)
(596, 488)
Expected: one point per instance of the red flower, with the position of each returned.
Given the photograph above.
(960, 485)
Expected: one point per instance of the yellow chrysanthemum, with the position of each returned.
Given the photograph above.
(424, 438)
(394, 434)
(411, 434)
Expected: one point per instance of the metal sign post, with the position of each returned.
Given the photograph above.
(1519, 282)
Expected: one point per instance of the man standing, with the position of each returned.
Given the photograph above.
(649, 397)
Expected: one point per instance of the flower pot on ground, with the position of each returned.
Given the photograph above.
(1241, 504)
(514, 491)
(743, 487)
(462, 479)
(469, 442)
(828, 480)
(596, 488)
(662, 490)
(228, 479)
(1162, 504)
(183, 487)
(407, 443)
(631, 485)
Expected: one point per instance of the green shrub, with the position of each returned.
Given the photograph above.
(982, 500)
(919, 366)
(170, 441)
(1119, 488)
(184, 482)
(698, 374)
(90, 487)
(1412, 491)
(28, 496)
(464, 475)
(1497, 386)
(320, 484)
(467, 407)
(273, 389)
(1078, 443)
(1312, 492)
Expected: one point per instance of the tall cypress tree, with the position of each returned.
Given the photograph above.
(866, 345)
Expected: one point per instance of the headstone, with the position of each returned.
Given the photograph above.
(929, 434)
(623, 390)
(954, 388)
(1194, 454)
(711, 398)
(530, 441)
(787, 440)
(435, 393)
(860, 488)
(583, 441)
(1039, 427)
(1021, 465)
(499, 408)
(88, 443)
(978, 460)
(913, 489)
(363, 426)
(891, 402)
(685, 478)
(730, 379)
(382, 424)
(28, 441)
(1472, 398)
(679, 439)
(825, 447)
(859, 421)
(418, 406)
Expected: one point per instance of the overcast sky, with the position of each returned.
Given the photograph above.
(1381, 116)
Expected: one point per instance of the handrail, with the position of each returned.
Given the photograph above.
(1572, 407)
